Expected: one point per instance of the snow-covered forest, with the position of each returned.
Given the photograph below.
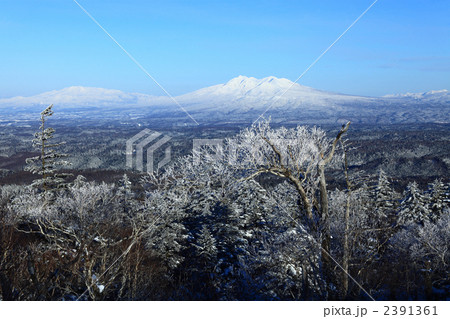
(253, 219)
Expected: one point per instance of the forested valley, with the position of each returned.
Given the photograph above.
(256, 218)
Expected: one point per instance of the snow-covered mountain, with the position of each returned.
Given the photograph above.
(244, 99)
(248, 93)
(79, 96)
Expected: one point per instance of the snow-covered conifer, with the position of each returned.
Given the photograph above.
(439, 198)
(49, 160)
(385, 201)
(414, 206)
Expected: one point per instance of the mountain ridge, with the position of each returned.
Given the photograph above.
(246, 97)
(242, 85)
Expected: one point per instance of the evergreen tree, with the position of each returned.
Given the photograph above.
(49, 159)
(439, 198)
(207, 247)
(126, 195)
(384, 196)
(414, 206)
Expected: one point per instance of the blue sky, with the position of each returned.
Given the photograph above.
(398, 46)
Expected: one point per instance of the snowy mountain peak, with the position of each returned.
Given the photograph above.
(239, 80)
(251, 82)
(240, 83)
(243, 85)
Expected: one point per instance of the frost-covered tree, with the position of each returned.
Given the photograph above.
(439, 198)
(292, 254)
(424, 251)
(71, 224)
(95, 248)
(126, 196)
(385, 197)
(8, 245)
(298, 155)
(362, 245)
(207, 248)
(49, 160)
(231, 227)
(414, 206)
(162, 215)
(194, 196)
(433, 240)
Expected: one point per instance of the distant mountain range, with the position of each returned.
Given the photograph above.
(242, 99)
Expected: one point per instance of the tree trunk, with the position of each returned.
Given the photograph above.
(346, 255)
(324, 223)
(325, 226)
(305, 200)
(346, 252)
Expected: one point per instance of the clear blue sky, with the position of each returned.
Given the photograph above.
(398, 46)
